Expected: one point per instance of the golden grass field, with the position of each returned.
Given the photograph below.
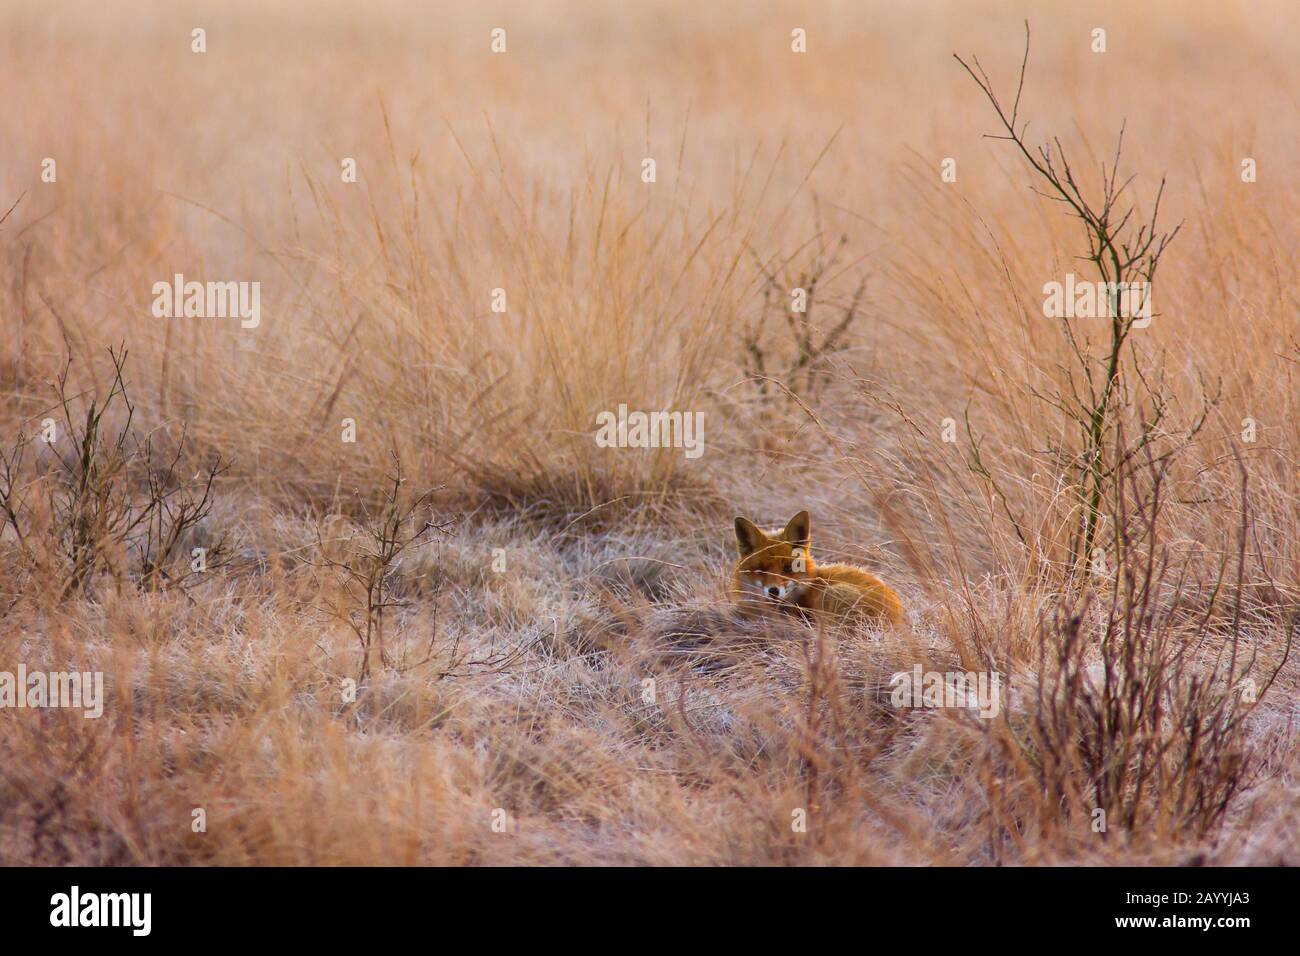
(507, 720)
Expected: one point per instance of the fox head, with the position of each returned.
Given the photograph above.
(774, 565)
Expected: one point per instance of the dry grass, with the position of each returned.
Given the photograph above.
(518, 641)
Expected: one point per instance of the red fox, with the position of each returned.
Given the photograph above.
(776, 569)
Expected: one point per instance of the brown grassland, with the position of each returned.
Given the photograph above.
(1134, 577)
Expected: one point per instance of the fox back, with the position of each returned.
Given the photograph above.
(776, 570)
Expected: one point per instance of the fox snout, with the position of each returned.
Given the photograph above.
(771, 587)
(781, 592)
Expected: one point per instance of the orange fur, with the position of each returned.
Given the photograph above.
(776, 570)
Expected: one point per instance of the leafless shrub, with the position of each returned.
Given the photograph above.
(367, 561)
(1140, 712)
(177, 508)
(1102, 388)
(85, 506)
(799, 360)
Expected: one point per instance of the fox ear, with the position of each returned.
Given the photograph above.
(799, 530)
(748, 537)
